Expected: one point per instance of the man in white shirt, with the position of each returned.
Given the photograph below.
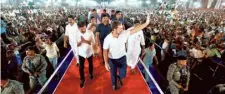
(70, 34)
(135, 41)
(85, 42)
(114, 50)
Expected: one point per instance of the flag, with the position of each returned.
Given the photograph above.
(170, 5)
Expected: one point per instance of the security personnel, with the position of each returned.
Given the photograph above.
(9, 86)
(178, 75)
(35, 65)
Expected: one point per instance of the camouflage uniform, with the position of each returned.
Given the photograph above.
(37, 64)
(12, 87)
(174, 76)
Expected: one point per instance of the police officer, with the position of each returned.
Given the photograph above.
(178, 75)
(9, 86)
(35, 65)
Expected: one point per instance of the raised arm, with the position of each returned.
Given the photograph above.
(141, 26)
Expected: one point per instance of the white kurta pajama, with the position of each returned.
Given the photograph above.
(71, 32)
(134, 48)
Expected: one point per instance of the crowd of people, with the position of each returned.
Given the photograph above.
(30, 39)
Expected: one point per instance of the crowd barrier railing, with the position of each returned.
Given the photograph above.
(159, 90)
(45, 86)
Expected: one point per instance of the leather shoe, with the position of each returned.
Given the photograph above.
(114, 88)
(92, 77)
(82, 84)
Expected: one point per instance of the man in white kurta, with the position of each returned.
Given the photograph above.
(135, 41)
(71, 34)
